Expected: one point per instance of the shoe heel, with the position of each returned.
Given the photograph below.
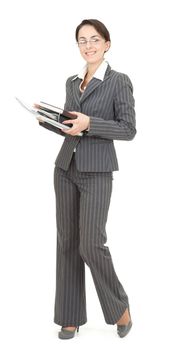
(77, 329)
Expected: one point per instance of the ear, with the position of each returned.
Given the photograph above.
(108, 44)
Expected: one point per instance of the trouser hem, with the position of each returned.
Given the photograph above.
(113, 322)
(69, 323)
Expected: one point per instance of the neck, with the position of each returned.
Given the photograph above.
(92, 67)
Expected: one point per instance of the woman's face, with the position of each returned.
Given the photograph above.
(91, 44)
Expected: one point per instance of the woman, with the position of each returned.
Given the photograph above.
(103, 102)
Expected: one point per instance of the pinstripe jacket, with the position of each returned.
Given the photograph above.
(110, 106)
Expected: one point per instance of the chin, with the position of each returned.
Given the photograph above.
(92, 59)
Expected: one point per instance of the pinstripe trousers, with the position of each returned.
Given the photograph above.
(82, 203)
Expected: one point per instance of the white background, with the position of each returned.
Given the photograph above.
(38, 53)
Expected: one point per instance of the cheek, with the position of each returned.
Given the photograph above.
(100, 51)
(82, 52)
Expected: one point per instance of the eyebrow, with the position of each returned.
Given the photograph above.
(83, 37)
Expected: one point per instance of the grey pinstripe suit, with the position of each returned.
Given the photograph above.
(83, 187)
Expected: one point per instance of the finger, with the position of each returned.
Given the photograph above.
(72, 131)
(40, 119)
(66, 131)
(68, 122)
(73, 112)
(35, 105)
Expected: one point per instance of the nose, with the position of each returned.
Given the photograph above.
(88, 44)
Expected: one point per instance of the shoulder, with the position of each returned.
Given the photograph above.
(121, 79)
(120, 76)
(70, 80)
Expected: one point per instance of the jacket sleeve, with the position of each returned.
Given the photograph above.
(124, 125)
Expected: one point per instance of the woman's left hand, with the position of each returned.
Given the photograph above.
(79, 124)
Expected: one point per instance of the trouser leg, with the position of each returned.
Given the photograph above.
(70, 298)
(94, 204)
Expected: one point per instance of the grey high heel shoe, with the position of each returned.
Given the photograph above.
(123, 330)
(66, 334)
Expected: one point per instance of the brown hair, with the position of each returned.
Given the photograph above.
(99, 26)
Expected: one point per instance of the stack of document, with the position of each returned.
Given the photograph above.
(50, 114)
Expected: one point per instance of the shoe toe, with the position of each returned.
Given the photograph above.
(123, 330)
(66, 334)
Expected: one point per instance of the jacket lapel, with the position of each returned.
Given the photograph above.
(93, 84)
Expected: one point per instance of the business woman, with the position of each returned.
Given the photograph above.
(102, 99)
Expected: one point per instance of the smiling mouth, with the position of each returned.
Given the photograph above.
(90, 53)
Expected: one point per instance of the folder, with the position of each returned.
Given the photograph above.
(50, 114)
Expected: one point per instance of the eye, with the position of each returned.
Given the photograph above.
(95, 40)
(81, 42)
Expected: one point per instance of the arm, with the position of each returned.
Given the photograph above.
(123, 128)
